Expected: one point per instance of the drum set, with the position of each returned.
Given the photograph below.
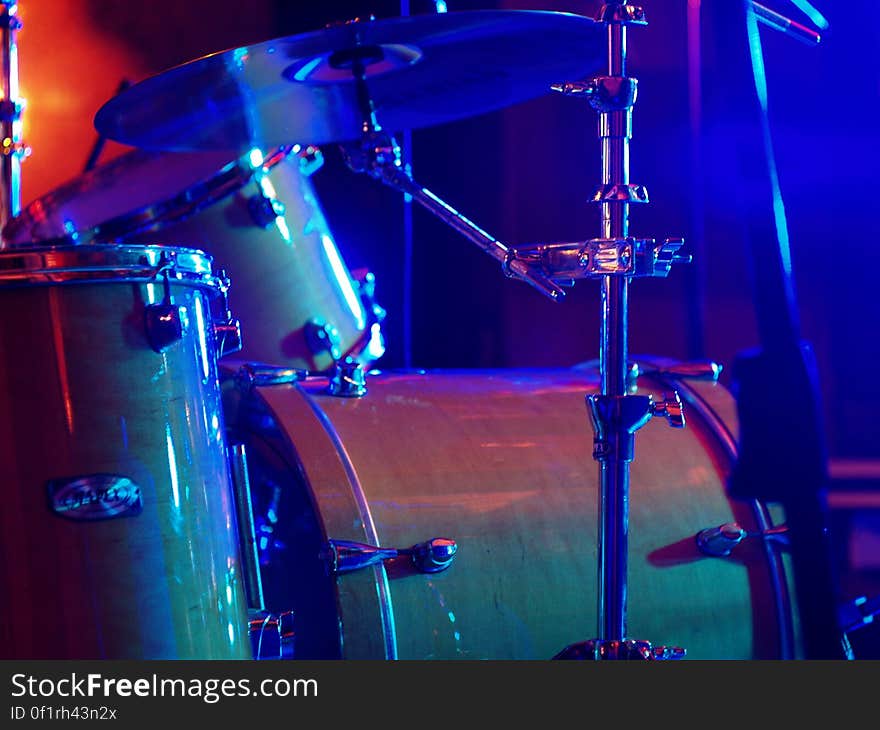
(181, 480)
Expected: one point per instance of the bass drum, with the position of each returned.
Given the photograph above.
(501, 463)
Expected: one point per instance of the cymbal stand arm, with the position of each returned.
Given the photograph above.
(516, 268)
(378, 154)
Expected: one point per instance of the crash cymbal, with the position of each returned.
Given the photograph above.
(419, 71)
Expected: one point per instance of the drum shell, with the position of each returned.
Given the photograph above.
(83, 394)
(501, 462)
(284, 276)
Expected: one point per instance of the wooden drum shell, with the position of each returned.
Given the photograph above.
(501, 462)
(82, 394)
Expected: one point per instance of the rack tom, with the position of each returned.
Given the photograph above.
(259, 218)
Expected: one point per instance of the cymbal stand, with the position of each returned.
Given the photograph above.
(614, 258)
(13, 149)
(378, 154)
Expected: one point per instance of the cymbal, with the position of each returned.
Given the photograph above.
(419, 70)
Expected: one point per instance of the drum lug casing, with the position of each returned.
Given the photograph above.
(348, 380)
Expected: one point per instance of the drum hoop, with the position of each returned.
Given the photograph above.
(727, 442)
(383, 589)
(50, 265)
(180, 206)
(198, 197)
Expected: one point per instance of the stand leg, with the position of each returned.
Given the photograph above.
(614, 466)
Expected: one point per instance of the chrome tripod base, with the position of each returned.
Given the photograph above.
(626, 649)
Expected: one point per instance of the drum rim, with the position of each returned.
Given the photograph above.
(148, 218)
(67, 264)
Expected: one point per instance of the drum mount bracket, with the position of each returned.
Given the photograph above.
(617, 418)
(599, 257)
(613, 98)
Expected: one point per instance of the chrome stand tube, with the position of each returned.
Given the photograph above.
(615, 412)
(614, 130)
(613, 548)
(12, 149)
